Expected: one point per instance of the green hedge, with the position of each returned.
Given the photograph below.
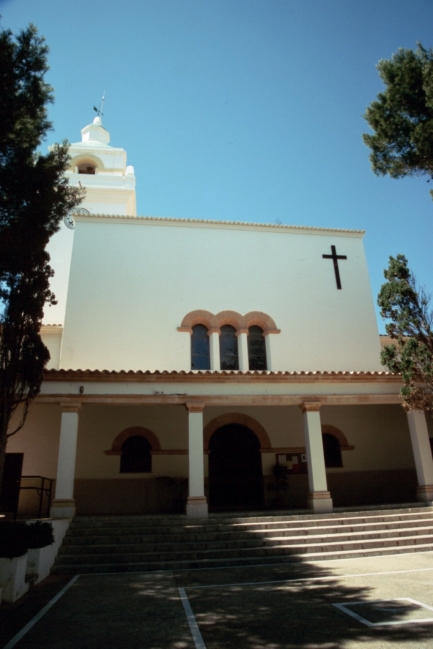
(17, 538)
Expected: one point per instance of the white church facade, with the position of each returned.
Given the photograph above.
(190, 358)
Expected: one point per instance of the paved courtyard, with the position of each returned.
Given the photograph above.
(380, 601)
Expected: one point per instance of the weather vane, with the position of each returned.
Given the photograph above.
(99, 110)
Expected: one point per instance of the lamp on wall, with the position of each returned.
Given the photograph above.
(81, 389)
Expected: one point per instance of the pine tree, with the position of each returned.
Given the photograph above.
(34, 197)
(411, 325)
(402, 116)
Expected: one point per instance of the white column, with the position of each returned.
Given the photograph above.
(196, 505)
(63, 505)
(244, 364)
(319, 498)
(214, 349)
(422, 454)
(268, 351)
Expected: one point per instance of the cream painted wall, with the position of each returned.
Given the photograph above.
(133, 280)
(60, 250)
(100, 425)
(38, 440)
(379, 433)
(52, 338)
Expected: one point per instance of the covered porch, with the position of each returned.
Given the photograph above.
(137, 443)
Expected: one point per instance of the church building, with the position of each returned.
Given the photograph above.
(199, 366)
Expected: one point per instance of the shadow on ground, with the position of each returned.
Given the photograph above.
(235, 608)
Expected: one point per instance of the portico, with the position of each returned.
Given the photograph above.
(287, 412)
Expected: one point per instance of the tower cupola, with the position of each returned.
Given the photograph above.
(95, 132)
(102, 170)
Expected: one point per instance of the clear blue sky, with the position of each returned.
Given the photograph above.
(247, 110)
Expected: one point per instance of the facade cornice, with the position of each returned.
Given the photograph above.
(236, 225)
(51, 328)
(210, 376)
(196, 403)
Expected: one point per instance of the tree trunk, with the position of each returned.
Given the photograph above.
(4, 425)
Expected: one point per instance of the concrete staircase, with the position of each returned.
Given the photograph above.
(140, 543)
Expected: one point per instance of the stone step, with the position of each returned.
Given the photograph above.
(206, 528)
(263, 515)
(99, 547)
(211, 536)
(148, 543)
(66, 569)
(178, 554)
(181, 522)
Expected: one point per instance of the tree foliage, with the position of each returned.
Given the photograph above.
(411, 325)
(402, 116)
(34, 197)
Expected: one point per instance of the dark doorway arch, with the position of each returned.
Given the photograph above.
(235, 469)
(332, 450)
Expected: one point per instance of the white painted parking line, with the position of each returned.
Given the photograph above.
(38, 616)
(345, 608)
(195, 631)
(312, 579)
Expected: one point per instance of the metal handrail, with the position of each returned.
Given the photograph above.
(41, 490)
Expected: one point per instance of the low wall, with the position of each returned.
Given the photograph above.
(372, 487)
(134, 496)
(41, 560)
(353, 488)
(168, 495)
(19, 573)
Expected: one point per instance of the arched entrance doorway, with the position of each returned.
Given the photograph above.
(235, 469)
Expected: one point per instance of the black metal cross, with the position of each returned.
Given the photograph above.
(335, 259)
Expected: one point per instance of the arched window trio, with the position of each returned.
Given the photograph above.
(229, 353)
(229, 326)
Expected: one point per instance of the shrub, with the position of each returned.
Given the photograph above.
(39, 534)
(13, 539)
(17, 538)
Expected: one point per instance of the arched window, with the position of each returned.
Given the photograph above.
(229, 348)
(136, 456)
(332, 450)
(256, 349)
(87, 168)
(200, 358)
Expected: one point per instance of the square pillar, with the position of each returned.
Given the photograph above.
(214, 349)
(422, 454)
(196, 504)
(63, 505)
(244, 364)
(319, 498)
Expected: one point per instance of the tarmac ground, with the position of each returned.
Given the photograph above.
(381, 601)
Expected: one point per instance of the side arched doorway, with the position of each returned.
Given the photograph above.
(235, 469)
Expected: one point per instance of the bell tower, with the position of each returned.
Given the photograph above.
(102, 170)
(110, 189)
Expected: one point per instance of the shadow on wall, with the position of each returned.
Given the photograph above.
(162, 495)
(351, 488)
(354, 488)
(165, 495)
